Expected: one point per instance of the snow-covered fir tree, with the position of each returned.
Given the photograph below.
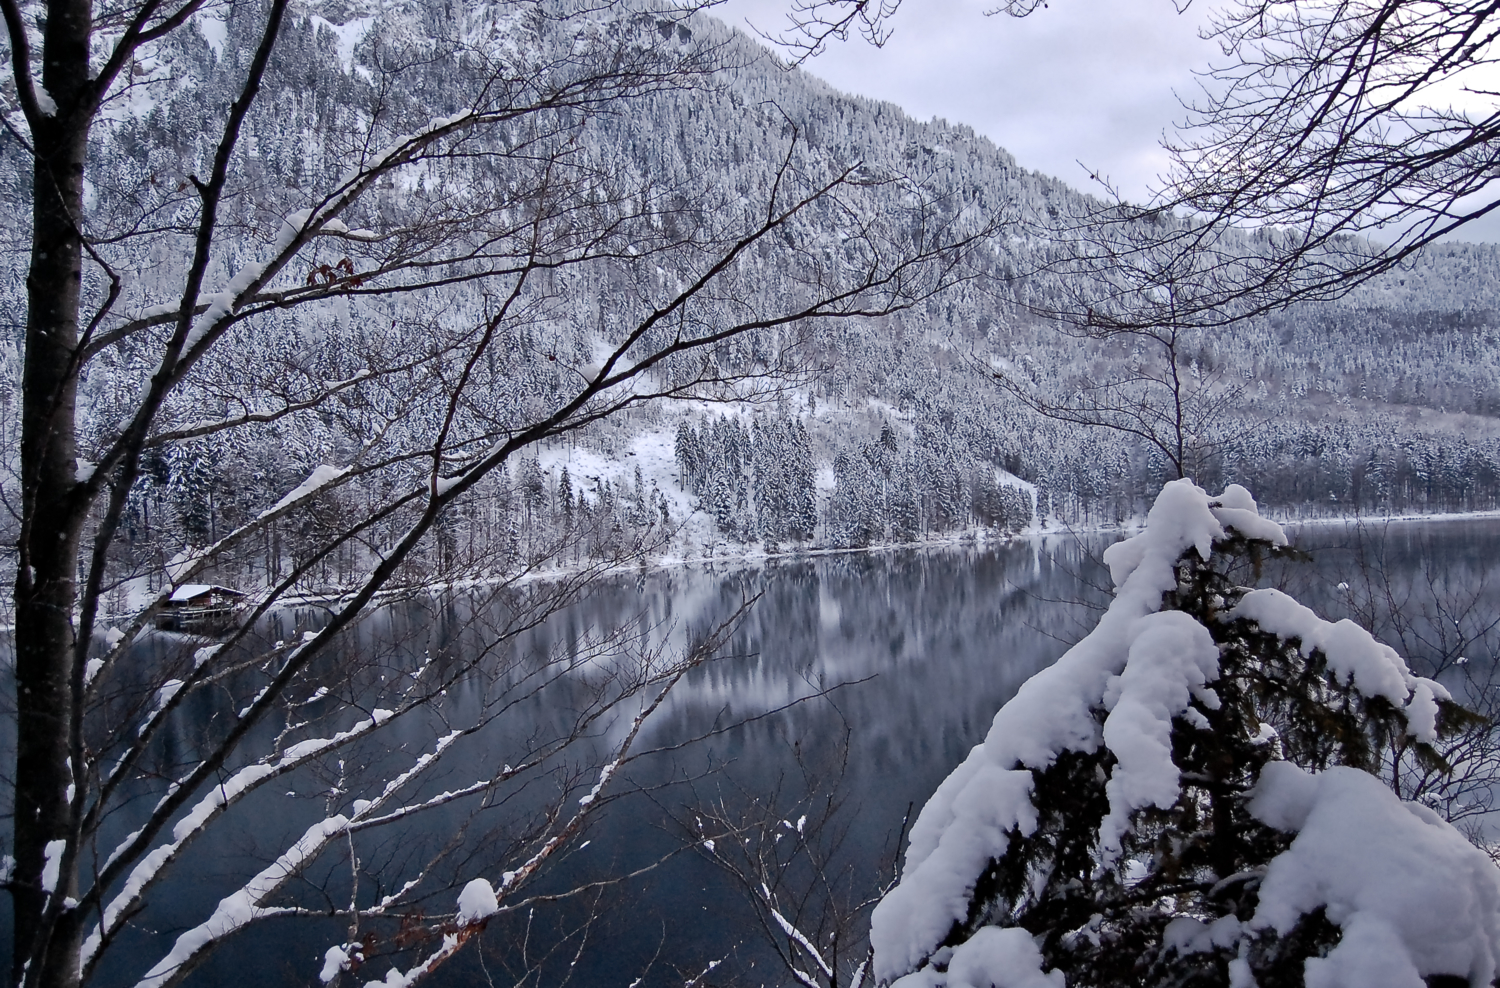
(1197, 794)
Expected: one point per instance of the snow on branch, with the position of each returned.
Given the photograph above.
(1353, 654)
(244, 906)
(967, 822)
(800, 939)
(1413, 897)
(321, 477)
(248, 904)
(219, 798)
(479, 899)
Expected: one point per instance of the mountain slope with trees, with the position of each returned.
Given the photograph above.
(1383, 401)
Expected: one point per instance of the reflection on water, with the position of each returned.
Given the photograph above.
(898, 660)
(1431, 590)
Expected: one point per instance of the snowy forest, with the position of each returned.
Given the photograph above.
(887, 430)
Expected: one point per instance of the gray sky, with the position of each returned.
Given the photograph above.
(1082, 80)
(1091, 81)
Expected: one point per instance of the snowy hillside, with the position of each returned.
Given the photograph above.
(884, 430)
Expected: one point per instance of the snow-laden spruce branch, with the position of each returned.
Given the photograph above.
(1197, 778)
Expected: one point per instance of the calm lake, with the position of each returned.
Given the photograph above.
(855, 682)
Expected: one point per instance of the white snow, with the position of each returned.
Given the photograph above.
(1171, 659)
(348, 35)
(1354, 656)
(45, 102)
(1413, 897)
(164, 695)
(189, 590)
(215, 31)
(320, 477)
(335, 959)
(982, 803)
(291, 226)
(477, 901)
(183, 563)
(799, 938)
(221, 303)
(242, 907)
(604, 776)
(214, 801)
(166, 691)
(967, 822)
(992, 958)
(1187, 935)
(52, 856)
(1236, 509)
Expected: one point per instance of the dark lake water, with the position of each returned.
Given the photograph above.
(847, 692)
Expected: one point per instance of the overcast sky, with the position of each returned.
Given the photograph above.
(1091, 81)
(1081, 80)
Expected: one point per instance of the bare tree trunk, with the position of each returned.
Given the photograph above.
(48, 678)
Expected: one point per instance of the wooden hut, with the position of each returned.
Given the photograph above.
(199, 607)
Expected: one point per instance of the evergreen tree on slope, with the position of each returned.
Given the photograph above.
(1190, 797)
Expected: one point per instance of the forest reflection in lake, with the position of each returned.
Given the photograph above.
(867, 676)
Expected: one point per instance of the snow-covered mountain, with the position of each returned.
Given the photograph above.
(894, 430)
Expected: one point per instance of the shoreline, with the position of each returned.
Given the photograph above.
(756, 553)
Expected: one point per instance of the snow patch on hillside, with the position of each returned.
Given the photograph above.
(348, 36)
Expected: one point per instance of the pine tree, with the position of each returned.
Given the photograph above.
(565, 498)
(533, 488)
(689, 451)
(1192, 797)
(801, 484)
